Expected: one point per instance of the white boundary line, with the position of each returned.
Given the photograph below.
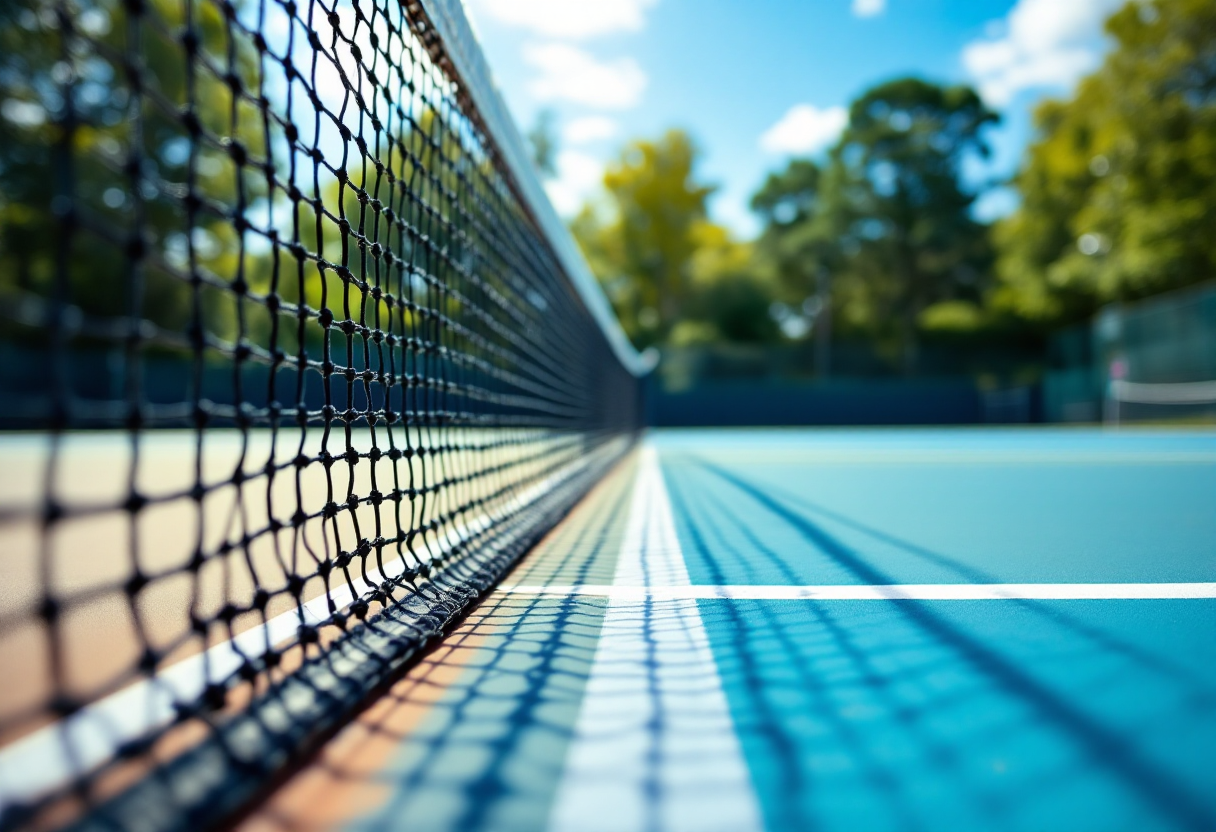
(654, 746)
(948, 456)
(892, 592)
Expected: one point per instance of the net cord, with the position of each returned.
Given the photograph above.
(468, 64)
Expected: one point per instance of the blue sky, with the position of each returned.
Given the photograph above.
(759, 82)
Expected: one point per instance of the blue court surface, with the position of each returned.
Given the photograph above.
(824, 630)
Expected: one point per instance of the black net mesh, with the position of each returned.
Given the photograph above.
(289, 376)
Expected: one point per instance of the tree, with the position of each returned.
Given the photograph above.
(800, 245)
(887, 217)
(642, 247)
(799, 242)
(896, 188)
(1119, 191)
(132, 163)
(728, 300)
(674, 277)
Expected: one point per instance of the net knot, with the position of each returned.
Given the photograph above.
(135, 584)
(149, 660)
(235, 149)
(215, 696)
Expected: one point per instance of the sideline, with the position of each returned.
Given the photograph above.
(654, 746)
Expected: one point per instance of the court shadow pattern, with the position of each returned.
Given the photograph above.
(928, 715)
(891, 715)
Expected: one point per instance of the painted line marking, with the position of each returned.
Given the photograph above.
(891, 592)
(654, 746)
(945, 456)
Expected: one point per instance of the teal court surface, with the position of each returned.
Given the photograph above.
(834, 630)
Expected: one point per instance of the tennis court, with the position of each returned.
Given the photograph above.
(824, 630)
(329, 500)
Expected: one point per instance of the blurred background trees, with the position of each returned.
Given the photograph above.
(877, 240)
(127, 139)
(870, 258)
(1119, 192)
(908, 240)
(673, 276)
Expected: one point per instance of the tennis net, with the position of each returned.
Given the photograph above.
(297, 361)
(1127, 400)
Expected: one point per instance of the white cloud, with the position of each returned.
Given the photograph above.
(569, 18)
(570, 74)
(1045, 43)
(589, 129)
(578, 178)
(805, 129)
(869, 8)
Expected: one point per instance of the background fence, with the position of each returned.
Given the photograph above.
(1167, 342)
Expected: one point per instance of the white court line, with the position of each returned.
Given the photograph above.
(944, 456)
(54, 756)
(890, 592)
(654, 746)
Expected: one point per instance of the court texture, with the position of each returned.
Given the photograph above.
(830, 630)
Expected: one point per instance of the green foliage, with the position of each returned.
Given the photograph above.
(911, 241)
(736, 308)
(659, 205)
(953, 316)
(1119, 192)
(800, 243)
(674, 277)
(115, 134)
(1118, 196)
(200, 200)
(729, 299)
(1118, 200)
(886, 220)
(643, 250)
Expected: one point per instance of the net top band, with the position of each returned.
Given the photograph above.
(469, 66)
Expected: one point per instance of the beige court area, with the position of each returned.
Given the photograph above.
(86, 559)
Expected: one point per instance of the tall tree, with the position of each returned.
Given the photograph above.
(800, 244)
(887, 218)
(910, 238)
(1119, 191)
(643, 250)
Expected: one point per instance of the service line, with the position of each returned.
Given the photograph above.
(888, 592)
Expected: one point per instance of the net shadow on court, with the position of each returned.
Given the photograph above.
(901, 713)
(913, 672)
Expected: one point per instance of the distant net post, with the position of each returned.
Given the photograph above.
(1115, 373)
